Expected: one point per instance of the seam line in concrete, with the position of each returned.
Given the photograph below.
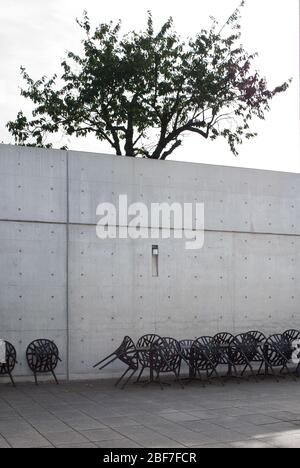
(67, 267)
(225, 231)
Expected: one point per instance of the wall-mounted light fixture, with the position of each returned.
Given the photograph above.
(155, 253)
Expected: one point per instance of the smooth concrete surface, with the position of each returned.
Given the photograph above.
(58, 280)
(32, 184)
(33, 286)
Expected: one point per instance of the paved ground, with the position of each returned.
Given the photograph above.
(264, 414)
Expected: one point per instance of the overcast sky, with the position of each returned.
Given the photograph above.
(37, 33)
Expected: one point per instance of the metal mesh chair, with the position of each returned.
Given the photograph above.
(185, 347)
(224, 341)
(42, 357)
(166, 358)
(11, 361)
(277, 352)
(143, 347)
(127, 354)
(260, 339)
(205, 357)
(242, 352)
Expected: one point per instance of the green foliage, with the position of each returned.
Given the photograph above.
(143, 91)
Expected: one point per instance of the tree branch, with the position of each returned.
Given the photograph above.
(170, 151)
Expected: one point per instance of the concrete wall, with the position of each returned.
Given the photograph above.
(58, 280)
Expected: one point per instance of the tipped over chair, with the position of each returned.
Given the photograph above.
(127, 354)
(7, 367)
(42, 357)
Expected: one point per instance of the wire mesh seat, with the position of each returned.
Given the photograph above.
(42, 357)
(10, 362)
(166, 358)
(127, 354)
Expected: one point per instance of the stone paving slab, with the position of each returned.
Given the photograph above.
(96, 414)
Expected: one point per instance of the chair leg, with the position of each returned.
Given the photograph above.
(266, 364)
(107, 363)
(252, 372)
(232, 366)
(285, 366)
(260, 368)
(200, 378)
(11, 379)
(140, 375)
(218, 376)
(273, 373)
(267, 368)
(160, 382)
(128, 379)
(179, 369)
(236, 374)
(178, 379)
(55, 378)
(122, 376)
(35, 379)
(103, 360)
(208, 376)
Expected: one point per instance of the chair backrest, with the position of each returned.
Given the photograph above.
(143, 347)
(42, 355)
(277, 340)
(11, 359)
(243, 349)
(127, 352)
(185, 348)
(205, 352)
(257, 335)
(292, 335)
(204, 340)
(171, 347)
(224, 338)
(166, 354)
(278, 349)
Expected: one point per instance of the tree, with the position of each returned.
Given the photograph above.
(142, 92)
